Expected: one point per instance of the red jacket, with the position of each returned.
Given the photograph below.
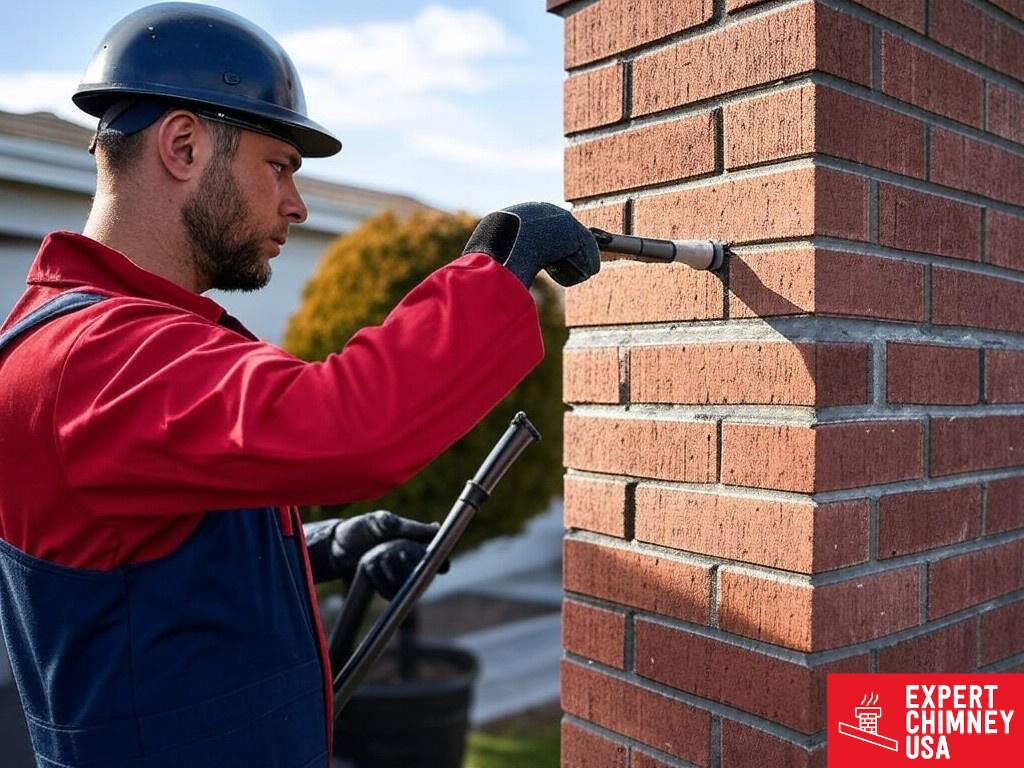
(124, 422)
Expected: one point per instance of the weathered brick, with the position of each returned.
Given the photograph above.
(793, 40)
(655, 448)
(658, 721)
(968, 444)
(592, 99)
(641, 580)
(644, 760)
(816, 119)
(595, 505)
(590, 375)
(1004, 376)
(792, 203)
(972, 578)
(1004, 240)
(809, 618)
(1012, 7)
(792, 536)
(914, 522)
(810, 280)
(974, 166)
(978, 35)
(826, 457)
(980, 301)
(584, 749)
(916, 221)
(950, 650)
(784, 692)
(910, 13)
(595, 633)
(913, 75)
(611, 218)
(1004, 505)
(648, 155)
(911, 374)
(611, 26)
(750, 372)
(1002, 632)
(644, 293)
(743, 747)
(1005, 112)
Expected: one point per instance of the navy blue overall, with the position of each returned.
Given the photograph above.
(206, 657)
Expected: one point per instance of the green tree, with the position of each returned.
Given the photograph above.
(360, 278)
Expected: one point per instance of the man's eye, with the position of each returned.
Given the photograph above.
(278, 167)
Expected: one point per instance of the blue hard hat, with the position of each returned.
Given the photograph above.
(202, 58)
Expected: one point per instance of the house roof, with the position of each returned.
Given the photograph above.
(47, 127)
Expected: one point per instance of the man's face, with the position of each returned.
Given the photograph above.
(238, 216)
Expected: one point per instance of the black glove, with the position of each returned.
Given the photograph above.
(529, 237)
(389, 565)
(335, 546)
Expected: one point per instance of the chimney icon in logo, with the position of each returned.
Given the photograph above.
(867, 724)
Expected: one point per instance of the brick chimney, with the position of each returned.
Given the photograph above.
(815, 462)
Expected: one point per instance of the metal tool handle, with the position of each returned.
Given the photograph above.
(699, 254)
(511, 445)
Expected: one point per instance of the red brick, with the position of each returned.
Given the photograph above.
(918, 373)
(1004, 240)
(595, 505)
(1004, 505)
(949, 650)
(789, 42)
(593, 99)
(1005, 112)
(637, 579)
(968, 444)
(980, 301)
(750, 372)
(802, 121)
(978, 35)
(652, 154)
(736, 5)
(663, 723)
(969, 579)
(611, 218)
(784, 692)
(973, 166)
(915, 221)
(661, 449)
(809, 280)
(594, 633)
(914, 522)
(913, 75)
(611, 26)
(822, 458)
(1012, 7)
(792, 536)
(590, 375)
(910, 13)
(743, 747)
(1004, 376)
(645, 293)
(795, 203)
(643, 760)
(808, 618)
(583, 749)
(1002, 633)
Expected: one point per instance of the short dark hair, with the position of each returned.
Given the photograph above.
(120, 151)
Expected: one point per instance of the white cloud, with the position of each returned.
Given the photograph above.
(490, 156)
(42, 92)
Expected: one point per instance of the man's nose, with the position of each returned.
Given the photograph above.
(293, 206)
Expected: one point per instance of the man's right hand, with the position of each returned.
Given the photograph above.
(529, 237)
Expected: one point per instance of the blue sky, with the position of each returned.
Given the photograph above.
(456, 102)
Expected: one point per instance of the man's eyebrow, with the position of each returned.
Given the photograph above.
(295, 160)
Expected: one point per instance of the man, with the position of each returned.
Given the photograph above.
(155, 594)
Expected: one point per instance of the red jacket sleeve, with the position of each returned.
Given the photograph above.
(160, 411)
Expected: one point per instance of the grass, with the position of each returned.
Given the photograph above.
(531, 740)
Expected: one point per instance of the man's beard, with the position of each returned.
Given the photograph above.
(225, 248)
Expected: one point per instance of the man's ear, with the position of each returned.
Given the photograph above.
(182, 144)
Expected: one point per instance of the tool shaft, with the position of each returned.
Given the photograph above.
(699, 254)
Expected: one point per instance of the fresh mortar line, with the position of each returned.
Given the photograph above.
(921, 484)
(618, 738)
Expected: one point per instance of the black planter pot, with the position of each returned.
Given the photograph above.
(410, 723)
